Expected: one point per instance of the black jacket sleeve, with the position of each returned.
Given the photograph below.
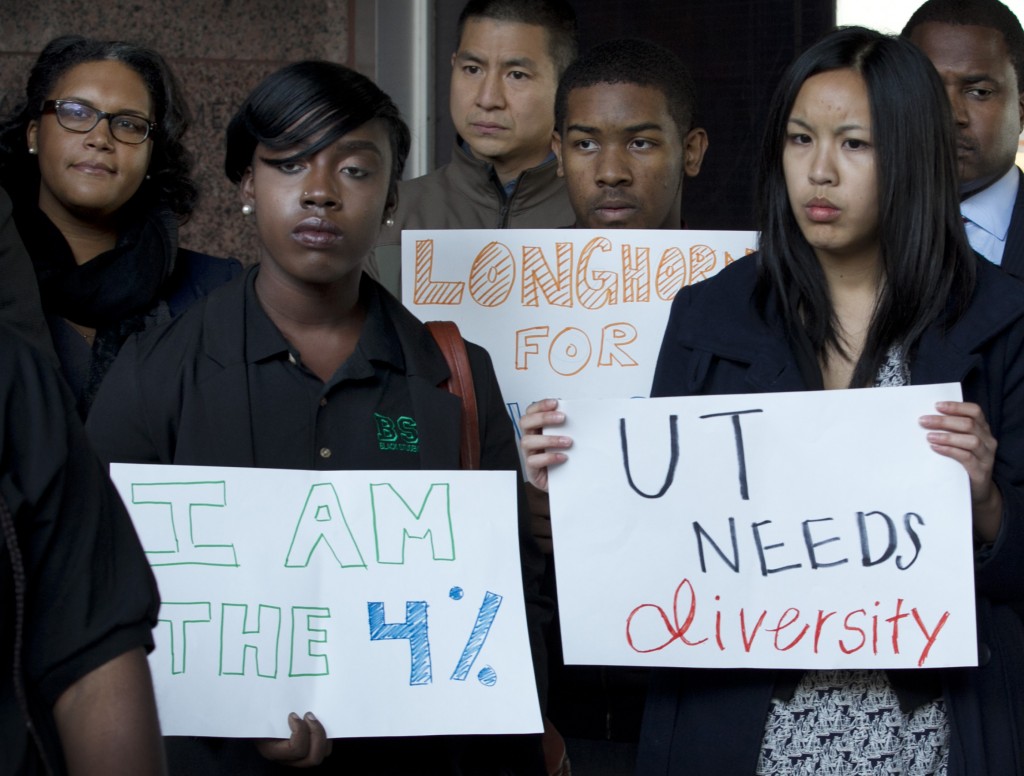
(72, 571)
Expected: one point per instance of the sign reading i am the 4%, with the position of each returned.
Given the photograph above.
(388, 603)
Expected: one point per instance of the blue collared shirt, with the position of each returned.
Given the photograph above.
(987, 216)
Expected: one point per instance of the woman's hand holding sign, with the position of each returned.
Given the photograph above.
(961, 432)
(307, 747)
(540, 451)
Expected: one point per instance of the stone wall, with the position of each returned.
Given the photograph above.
(219, 50)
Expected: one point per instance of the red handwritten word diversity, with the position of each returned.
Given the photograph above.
(859, 630)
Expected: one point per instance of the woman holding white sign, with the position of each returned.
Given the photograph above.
(864, 278)
(305, 362)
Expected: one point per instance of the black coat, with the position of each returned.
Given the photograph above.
(20, 305)
(1013, 253)
(712, 721)
(71, 567)
(145, 280)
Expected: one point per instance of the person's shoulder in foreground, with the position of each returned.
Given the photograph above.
(20, 305)
(79, 624)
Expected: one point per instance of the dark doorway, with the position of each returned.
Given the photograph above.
(736, 50)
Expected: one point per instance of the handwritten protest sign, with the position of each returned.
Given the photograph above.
(388, 603)
(573, 313)
(800, 530)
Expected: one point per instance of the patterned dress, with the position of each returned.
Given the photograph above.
(846, 722)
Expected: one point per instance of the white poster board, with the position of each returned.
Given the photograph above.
(570, 313)
(791, 530)
(387, 603)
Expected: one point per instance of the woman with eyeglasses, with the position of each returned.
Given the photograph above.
(100, 181)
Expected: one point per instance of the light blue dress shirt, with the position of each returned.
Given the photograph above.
(987, 216)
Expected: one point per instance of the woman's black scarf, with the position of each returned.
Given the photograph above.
(120, 283)
(117, 293)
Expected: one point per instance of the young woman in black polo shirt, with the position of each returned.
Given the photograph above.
(293, 364)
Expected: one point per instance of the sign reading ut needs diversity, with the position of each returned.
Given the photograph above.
(573, 313)
(799, 530)
(387, 603)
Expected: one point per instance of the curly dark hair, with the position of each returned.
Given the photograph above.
(632, 61)
(169, 181)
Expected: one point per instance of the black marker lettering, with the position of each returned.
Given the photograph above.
(673, 430)
(741, 459)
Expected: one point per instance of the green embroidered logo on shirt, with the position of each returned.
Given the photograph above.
(399, 434)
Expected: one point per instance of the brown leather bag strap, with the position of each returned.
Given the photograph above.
(450, 341)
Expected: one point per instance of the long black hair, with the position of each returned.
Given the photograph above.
(928, 266)
(169, 181)
(307, 106)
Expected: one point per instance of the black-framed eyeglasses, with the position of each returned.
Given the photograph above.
(79, 117)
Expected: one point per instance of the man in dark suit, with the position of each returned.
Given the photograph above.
(978, 48)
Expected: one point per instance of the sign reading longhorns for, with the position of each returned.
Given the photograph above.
(569, 313)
